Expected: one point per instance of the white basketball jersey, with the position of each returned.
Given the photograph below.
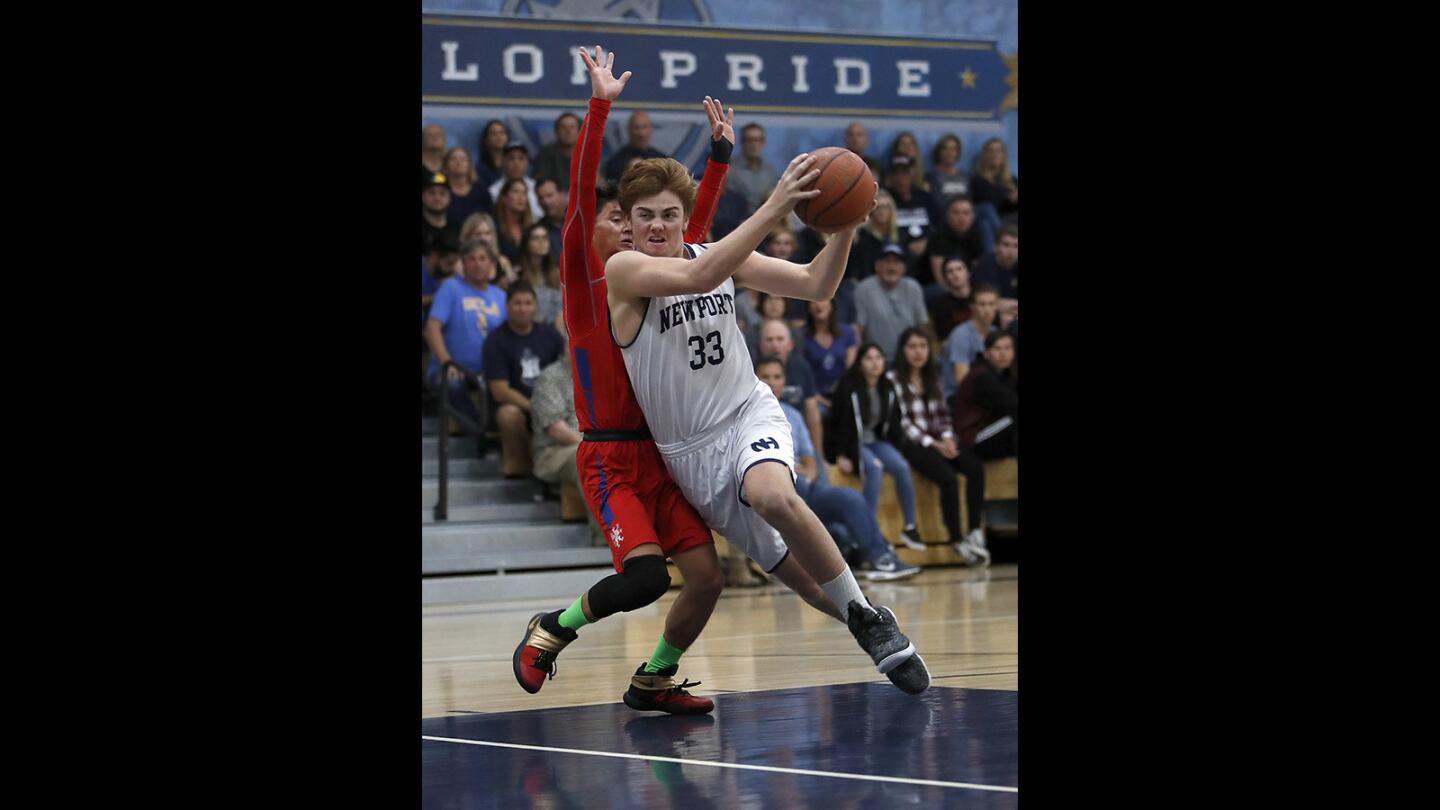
(689, 364)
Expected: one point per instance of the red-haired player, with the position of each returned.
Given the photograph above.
(623, 478)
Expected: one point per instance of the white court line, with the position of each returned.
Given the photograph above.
(801, 771)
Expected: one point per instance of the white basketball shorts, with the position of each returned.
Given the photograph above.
(710, 469)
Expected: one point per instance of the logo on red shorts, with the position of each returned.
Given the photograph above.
(616, 535)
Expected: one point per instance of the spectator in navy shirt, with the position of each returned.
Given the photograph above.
(956, 236)
(640, 130)
(829, 348)
(467, 196)
(514, 355)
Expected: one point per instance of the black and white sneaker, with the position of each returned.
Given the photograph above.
(879, 636)
(910, 536)
(889, 567)
(895, 657)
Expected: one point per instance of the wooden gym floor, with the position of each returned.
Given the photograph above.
(801, 716)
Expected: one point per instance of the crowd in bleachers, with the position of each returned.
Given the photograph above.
(911, 366)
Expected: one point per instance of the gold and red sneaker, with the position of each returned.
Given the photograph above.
(535, 657)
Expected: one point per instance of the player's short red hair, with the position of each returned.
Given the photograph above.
(646, 178)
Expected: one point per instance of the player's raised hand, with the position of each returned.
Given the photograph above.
(721, 125)
(603, 83)
(790, 188)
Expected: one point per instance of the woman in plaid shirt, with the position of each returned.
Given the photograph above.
(934, 451)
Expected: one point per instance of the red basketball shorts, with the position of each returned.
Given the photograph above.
(632, 496)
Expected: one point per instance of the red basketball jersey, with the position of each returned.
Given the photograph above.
(604, 399)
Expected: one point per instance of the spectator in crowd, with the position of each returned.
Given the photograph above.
(552, 202)
(553, 162)
(777, 341)
(466, 197)
(640, 130)
(512, 219)
(878, 231)
(1001, 270)
(952, 308)
(482, 226)
(782, 244)
(829, 348)
(440, 264)
(864, 430)
(514, 354)
(555, 427)
(492, 154)
(435, 222)
(536, 267)
(986, 403)
(905, 144)
(843, 510)
(857, 138)
(956, 236)
(516, 165)
(751, 176)
(915, 210)
(933, 449)
(467, 308)
(432, 149)
(767, 307)
(945, 180)
(890, 302)
(995, 191)
(967, 340)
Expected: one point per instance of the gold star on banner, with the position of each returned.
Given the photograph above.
(968, 77)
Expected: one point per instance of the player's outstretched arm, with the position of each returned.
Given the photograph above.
(632, 274)
(722, 142)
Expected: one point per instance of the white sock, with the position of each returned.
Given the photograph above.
(843, 589)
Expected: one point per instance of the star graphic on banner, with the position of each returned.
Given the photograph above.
(967, 77)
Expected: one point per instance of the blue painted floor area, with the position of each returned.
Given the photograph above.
(944, 734)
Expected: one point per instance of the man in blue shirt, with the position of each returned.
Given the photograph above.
(465, 310)
(514, 354)
(967, 341)
(843, 510)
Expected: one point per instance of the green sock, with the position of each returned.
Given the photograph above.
(573, 617)
(665, 655)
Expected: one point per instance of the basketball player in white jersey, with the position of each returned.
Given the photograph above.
(719, 428)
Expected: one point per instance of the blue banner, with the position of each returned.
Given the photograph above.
(491, 61)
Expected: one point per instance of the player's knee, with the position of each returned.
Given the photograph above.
(649, 577)
(642, 581)
(776, 503)
(708, 582)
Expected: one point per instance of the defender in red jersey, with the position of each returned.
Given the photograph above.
(626, 486)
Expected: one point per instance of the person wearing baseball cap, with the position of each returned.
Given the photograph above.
(515, 165)
(434, 203)
(889, 302)
(915, 208)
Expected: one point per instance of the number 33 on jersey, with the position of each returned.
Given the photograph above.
(689, 362)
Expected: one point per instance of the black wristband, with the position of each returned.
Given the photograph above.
(720, 150)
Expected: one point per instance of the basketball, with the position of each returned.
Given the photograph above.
(846, 191)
